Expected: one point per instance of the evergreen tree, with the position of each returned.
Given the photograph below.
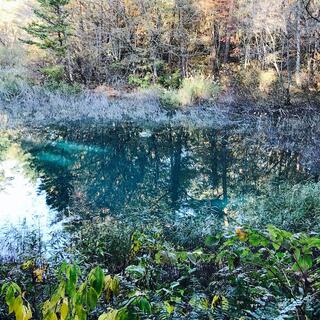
(50, 31)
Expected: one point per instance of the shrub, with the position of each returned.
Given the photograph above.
(11, 84)
(166, 77)
(295, 208)
(142, 82)
(241, 274)
(256, 83)
(169, 99)
(171, 80)
(193, 90)
(55, 80)
(11, 57)
(54, 73)
(10, 89)
(111, 240)
(266, 80)
(246, 80)
(63, 87)
(196, 89)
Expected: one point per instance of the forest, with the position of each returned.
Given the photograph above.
(159, 159)
(192, 50)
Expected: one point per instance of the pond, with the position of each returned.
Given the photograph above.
(52, 180)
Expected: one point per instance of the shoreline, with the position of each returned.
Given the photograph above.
(292, 129)
(36, 106)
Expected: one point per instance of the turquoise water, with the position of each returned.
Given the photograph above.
(57, 176)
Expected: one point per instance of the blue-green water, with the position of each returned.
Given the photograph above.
(133, 174)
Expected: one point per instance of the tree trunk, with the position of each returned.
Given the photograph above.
(228, 32)
(298, 43)
(288, 99)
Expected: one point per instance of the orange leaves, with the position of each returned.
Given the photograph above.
(241, 234)
(221, 7)
(39, 274)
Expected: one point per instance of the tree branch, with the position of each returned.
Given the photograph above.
(307, 7)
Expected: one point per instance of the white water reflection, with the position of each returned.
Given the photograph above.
(22, 209)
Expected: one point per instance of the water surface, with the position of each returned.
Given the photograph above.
(134, 174)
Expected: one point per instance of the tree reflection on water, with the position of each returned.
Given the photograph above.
(141, 176)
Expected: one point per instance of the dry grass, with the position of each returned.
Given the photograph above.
(194, 90)
(23, 104)
(266, 80)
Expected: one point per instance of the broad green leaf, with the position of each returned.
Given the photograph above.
(19, 312)
(72, 278)
(97, 280)
(305, 262)
(115, 285)
(256, 239)
(144, 305)
(10, 296)
(313, 242)
(92, 298)
(169, 307)
(80, 312)
(55, 299)
(27, 265)
(18, 303)
(64, 309)
(111, 315)
(53, 316)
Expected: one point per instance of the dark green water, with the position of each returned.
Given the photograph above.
(133, 174)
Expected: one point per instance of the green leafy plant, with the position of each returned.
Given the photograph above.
(140, 81)
(285, 265)
(74, 300)
(53, 73)
(16, 301)
(170, 80)
(242, 273)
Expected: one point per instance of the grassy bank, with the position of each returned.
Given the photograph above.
(24, 102)
(198, 101)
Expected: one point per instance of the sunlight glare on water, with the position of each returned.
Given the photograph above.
(20, 201)
(21, 204)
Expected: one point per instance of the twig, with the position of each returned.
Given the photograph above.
(307, 6)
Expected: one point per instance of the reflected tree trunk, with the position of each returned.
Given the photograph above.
(175, 167)
(156, 160)
(213, 159)
(224, 162)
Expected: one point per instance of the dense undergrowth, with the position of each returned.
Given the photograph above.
(199, 268)
(233, 86)
(109, 270)
(15, 83)
(289, 207)
(240, 274)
